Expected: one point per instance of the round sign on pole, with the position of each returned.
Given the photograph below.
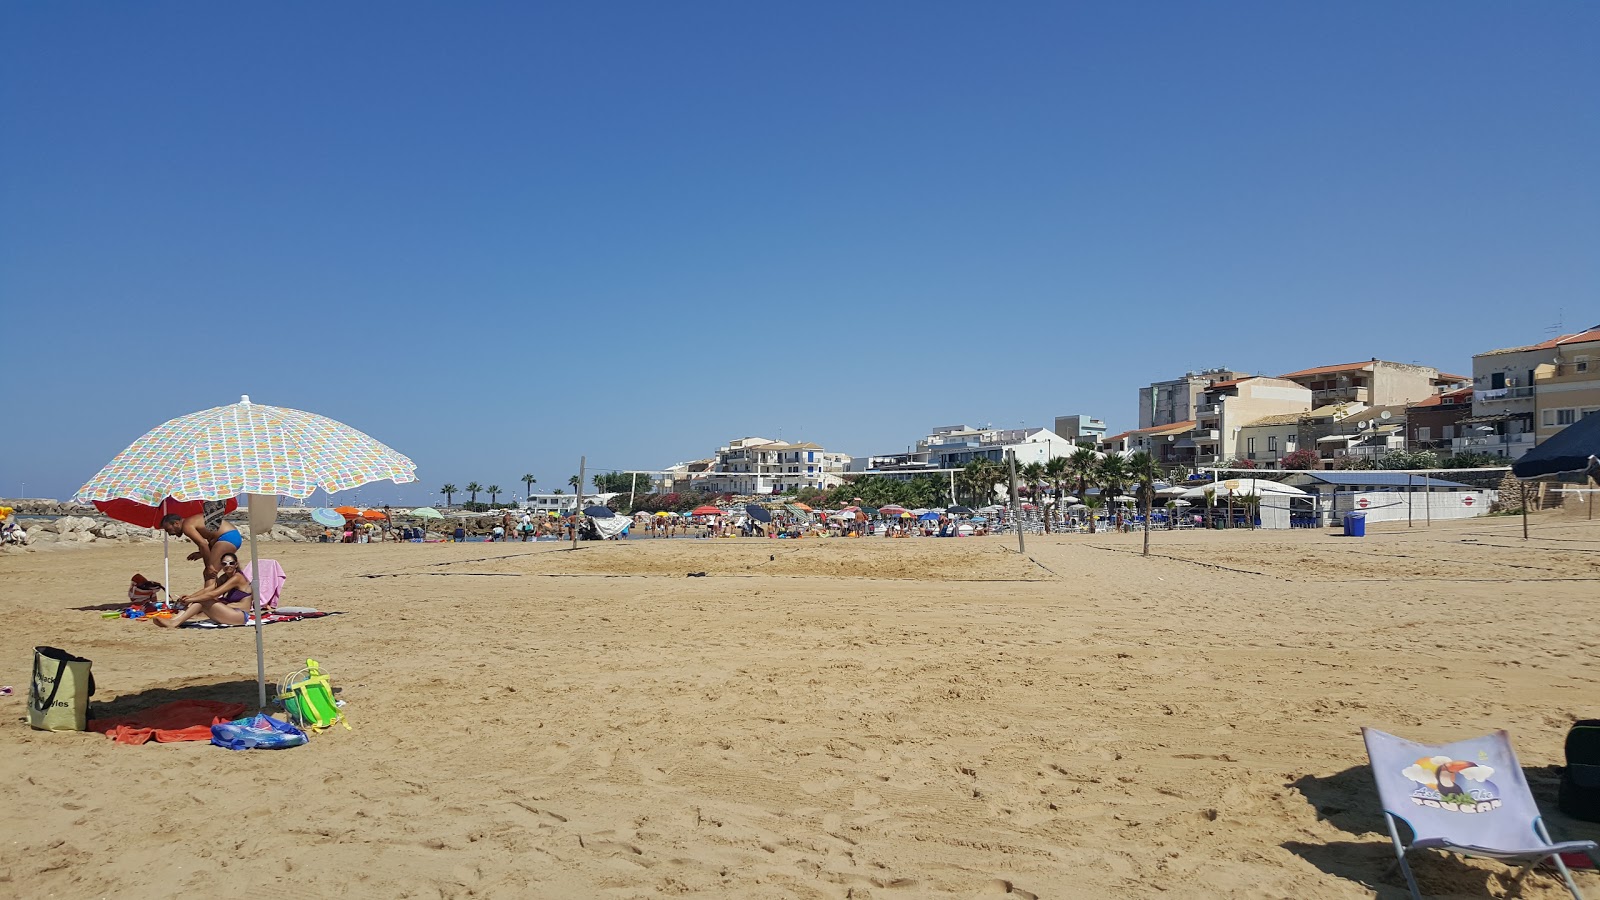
(1362, 502)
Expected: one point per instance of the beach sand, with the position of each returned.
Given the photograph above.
(828, 719)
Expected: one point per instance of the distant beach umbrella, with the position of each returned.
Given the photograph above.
(598, 512)
(958, 511)
(929, 517)
(706, 511)
(349, 512)
(135, 513)
(891, 510)
(247, 448)
(427, 512)
(374, 514)
(328, 517)
(759, 513)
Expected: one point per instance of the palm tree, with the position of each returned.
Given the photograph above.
(1085, 465)
(449, 492)
(1033, 474)
(574, 482)
(981, 475)
(528, 481)
(493, 491)
(1142, 466)
(1094, 504)
(1056, 469)
(473, 488)
(1113, 474)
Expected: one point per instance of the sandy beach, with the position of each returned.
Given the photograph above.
(815, 719)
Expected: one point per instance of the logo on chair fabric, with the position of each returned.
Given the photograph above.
(1457, 785)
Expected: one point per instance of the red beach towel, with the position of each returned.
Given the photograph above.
(180, 720)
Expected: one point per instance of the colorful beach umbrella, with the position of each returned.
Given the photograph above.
(247, 448)
(328, 517)
(427, 512)
(705, 511)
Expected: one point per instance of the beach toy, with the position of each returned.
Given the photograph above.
(307, 695)
(258, 732)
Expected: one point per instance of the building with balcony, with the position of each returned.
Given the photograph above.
(756, 465)
(1435, 423)
(1081, 429)
(1171, 445)
(954, 446)
(1504, 403)
(1376, 382)
(1225, 407)
(1168, 402)
(1567, 388)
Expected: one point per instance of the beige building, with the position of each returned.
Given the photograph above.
(1226, 407)
(1169, 444)
(1376, 382)
(1566, 388)
(1504, 407)
(1267, 440)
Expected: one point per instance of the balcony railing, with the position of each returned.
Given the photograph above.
(1496, 394)
(1208, 409)
(1492, 440)
(1206, 434)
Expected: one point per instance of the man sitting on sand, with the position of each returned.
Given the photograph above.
(227, 601)
(211, 535)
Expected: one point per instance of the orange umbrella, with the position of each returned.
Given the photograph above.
(374, 514)
(349, 512)
(802, 506)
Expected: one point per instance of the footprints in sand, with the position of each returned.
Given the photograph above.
(1003, 888)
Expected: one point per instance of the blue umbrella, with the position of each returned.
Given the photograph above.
(759, 513)
(598, 512)
(929, 517)
(326, 517)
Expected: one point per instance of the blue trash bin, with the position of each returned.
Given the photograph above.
(1355, 524)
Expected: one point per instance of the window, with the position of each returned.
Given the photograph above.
(1250, 445)
(1424, 433)
(1580, 364)
(1272, 443)
(1554, 418)
(1497, 381)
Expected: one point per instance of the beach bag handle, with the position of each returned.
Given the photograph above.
(61, 657)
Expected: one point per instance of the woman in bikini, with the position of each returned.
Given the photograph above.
(213, 538)
(227, 601)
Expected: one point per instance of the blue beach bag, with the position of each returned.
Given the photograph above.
(258, 732)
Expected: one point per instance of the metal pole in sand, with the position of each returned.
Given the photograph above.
(1016, 509)
(1410, 493)
(632, 487)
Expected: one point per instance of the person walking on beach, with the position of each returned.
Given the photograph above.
(211, 534)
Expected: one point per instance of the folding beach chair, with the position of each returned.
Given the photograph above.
(1469, 797)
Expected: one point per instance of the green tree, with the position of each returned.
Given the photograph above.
(1408, 459)
(449, 492)
(1144, 471)
(1033, 473)
(493, 491)
(1113, 474)
(574, 482)
(528, 482)
(557, 492)
(980, 476)
(1056, 470)
(622, 483)
(473, 488)
(1084, 464)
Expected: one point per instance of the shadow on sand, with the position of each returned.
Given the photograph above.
(233, 691)
(1348, 800)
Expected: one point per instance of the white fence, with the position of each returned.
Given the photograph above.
(1419, 507)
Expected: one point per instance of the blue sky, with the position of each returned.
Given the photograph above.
(499, 236)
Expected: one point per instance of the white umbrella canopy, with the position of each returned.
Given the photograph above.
(1241, 487)
(247, 448)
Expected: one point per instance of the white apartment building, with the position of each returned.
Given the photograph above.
(757, 465)
(1514, 385)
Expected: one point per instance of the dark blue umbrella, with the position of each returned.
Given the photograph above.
(598, 512)
(1573, 449)
(929, 517)
(759, 513)
(958, 511)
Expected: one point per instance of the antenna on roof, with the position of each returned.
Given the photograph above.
(1561, 323)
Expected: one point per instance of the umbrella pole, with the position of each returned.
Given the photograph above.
(255, 604)
(166, 563)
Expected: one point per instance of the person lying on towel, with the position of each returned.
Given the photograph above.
(226, 601)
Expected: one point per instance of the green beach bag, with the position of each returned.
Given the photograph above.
(58, 695)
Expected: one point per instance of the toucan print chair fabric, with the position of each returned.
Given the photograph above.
(1469, 797)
